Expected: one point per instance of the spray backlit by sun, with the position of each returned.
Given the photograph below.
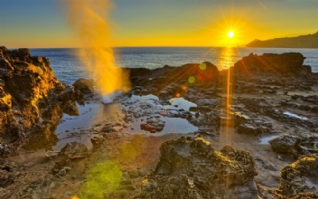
(89, 19)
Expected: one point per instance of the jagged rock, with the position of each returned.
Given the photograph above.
(84, 85)
(299, 179)
(191, 168)
(28, 90)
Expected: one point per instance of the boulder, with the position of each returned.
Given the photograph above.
(284, 143)
(84, 85)
(192, 168)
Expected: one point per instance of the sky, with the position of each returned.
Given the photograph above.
(44, 23)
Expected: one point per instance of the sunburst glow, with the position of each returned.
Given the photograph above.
(230, 34)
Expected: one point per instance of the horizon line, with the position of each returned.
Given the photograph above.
(130, 47)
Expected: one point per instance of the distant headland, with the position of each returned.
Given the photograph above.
(303, 41)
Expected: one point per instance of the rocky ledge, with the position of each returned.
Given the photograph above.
(32, 99)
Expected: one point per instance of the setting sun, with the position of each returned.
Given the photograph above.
(230, 34)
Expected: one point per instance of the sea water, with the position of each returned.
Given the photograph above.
(68, 68)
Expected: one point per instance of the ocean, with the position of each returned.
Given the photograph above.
(68, 68)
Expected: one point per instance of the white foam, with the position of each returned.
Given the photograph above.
(107, 99)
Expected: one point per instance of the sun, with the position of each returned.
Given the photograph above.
(230, 34)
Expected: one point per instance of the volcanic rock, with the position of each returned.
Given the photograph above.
(28, 94)
(84, 85)
(192, 168)
(295, 145)
(300, 179)
(251, 129)
(286, 64)
(153, 124)
(169, 81)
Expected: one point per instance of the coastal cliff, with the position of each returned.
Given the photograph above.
(29, 92)
(303, 41)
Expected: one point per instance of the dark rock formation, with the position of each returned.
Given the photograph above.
(285, 64)
(153, 125)
(251, 129)
(191, 168)
(171, 81)
(28, 95)
(303, 41)
(295, 145)
(84, 85)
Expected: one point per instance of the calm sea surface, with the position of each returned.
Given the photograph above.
(67, 68)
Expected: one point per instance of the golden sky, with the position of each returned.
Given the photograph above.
(38, 23)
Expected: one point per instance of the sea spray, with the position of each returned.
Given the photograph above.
(89, 18)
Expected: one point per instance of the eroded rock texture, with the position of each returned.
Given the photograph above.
(28, 94)
(192, 168)
(300, 179)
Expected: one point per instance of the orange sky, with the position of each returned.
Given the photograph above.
(38, 23)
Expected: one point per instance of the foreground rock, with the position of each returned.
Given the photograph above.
(301, 178)
(298, 180)
(191, 168)
(28, 96)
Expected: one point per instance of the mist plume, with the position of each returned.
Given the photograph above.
(89, 18)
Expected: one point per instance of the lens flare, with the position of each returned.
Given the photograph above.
(202, 66)
(102, 180)
(191, 79)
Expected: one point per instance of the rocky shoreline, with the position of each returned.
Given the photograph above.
(262, 97)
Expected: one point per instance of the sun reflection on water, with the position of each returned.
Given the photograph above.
(227, 61)
(226, 58)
